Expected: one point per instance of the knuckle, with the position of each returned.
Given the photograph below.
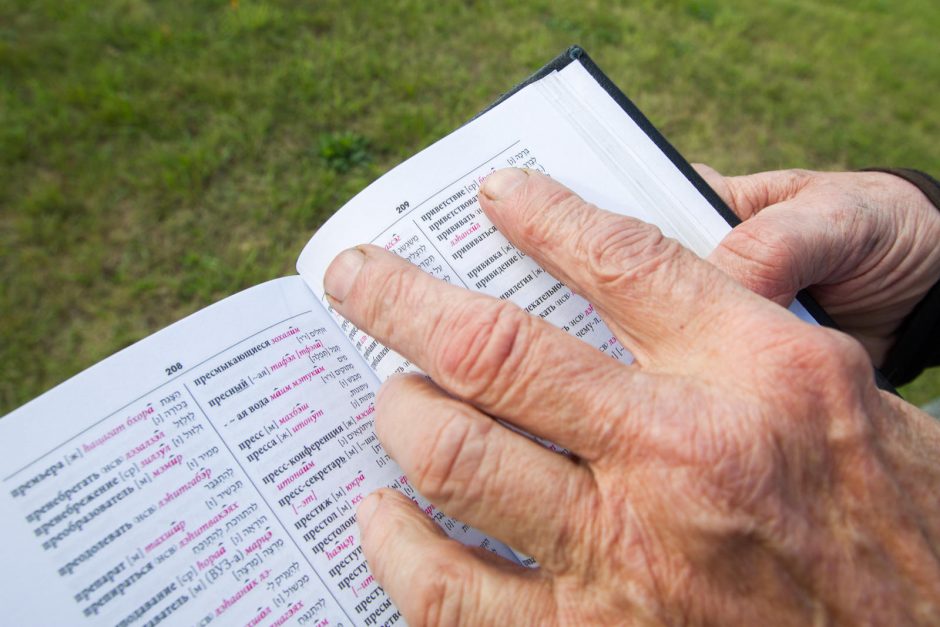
(762, 246)
(761, 260)
(544, 212)
(836, 354)
(453, 466)
(832, 368)
(798, 179)
(479, 345)
(846, 392)
(620, 250)
(388, 288)
(794, 181)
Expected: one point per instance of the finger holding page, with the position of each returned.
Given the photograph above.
(863, 243)
(781, 250)
(481, 473)
(784, 244)
(489, 352)
(437, 581)
(749, 194)
(659, 298)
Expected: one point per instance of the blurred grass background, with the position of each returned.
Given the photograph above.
(158, 156)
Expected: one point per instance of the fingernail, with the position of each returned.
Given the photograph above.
(341, 274)
(501, 183)
(367, 508)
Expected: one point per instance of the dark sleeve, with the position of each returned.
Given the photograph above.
(918, 338)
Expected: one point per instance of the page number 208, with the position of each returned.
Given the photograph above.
(174, 368)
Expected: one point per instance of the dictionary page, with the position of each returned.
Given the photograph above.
(209, 473)
(426, 209)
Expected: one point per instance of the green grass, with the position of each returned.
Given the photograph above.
(158, 156)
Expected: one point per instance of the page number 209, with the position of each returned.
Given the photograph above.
(174, 368)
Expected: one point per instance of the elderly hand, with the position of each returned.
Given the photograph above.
(745, 469)
(865, 243)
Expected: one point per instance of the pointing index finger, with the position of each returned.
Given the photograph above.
(659, 298)
(483, 350)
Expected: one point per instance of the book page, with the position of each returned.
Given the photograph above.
(426, 209)
(207, 474)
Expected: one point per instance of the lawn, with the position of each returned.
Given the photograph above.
(158, 156)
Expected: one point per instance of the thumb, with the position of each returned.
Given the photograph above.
(751, 193)
(778, 252)
(716, 181)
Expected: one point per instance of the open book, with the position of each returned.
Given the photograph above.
(210, 472)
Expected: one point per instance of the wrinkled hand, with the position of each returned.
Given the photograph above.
(864, 242)
(746, 469)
